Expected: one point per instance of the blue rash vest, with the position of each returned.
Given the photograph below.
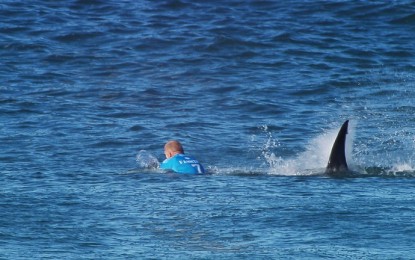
(181, 163)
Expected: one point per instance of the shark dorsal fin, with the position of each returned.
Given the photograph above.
(337, 160)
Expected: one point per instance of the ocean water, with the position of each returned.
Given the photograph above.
(256, 90)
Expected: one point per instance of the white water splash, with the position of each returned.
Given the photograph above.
(403, 167)
(313, 160)
(146, 160)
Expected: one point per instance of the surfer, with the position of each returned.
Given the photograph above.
(177, 161)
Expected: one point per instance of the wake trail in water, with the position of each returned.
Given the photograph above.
(311, 162)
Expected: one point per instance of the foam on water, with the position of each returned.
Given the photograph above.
(404, 167)
(313, 160)
(146, 160)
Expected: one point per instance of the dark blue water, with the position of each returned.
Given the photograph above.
(256, 90)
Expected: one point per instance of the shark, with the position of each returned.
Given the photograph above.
(337, 164)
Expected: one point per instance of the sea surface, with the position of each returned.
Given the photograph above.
(91, 90)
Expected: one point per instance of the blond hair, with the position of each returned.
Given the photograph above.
(174, 146)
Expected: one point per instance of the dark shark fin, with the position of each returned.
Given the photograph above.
(337, 161)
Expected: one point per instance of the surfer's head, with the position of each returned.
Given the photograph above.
(172, 148)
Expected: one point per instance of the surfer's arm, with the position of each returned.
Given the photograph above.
(166, 164)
